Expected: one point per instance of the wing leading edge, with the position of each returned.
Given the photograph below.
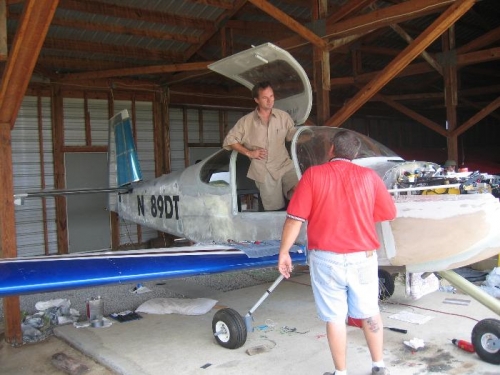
(49, 274)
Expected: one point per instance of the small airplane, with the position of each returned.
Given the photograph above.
(215, 205)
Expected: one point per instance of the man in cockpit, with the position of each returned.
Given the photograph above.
(261, 135)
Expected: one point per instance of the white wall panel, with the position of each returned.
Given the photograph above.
(27, 176)
(74, 122)
(99, 119)
(211, 127)
(177, 160)
(233, 117)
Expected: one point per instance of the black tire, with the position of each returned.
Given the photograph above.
(483, 333)
(385, 285)
(229, 328)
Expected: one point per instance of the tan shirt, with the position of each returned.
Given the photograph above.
(253, 133)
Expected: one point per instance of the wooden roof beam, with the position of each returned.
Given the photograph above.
(137, 71)
(148, 54)
(219, 22)
(477, 106)
(117, 29)
(477, 57)
(412, 114)
(368, 22)
(438, 27)
(476, 118)
(65, 63)
(481, 90)
(22, 58)
(289, 22)
(350, 7)
(483, 41)
(421, 68)
(427, 57)
(223, 4)
(138, 14)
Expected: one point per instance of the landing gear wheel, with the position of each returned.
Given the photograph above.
(484, 334)
(385, 285)
(229, 328)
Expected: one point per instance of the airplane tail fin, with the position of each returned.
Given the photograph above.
(123, 163)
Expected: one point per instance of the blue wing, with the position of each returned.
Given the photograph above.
(53, 273)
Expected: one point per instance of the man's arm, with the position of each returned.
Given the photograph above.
(385, 208)
(260, 153)
(291, 230)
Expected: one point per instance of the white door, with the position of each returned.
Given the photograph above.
(88, 217)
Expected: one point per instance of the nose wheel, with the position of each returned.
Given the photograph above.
(229, 328)
(386, 284)
(486, 340)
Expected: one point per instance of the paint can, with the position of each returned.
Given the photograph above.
(95, 309)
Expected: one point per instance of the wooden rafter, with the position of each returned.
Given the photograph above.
(483, 41)
(142, 53)
(440, 25)
(224, 4)
(372, 21)
(117, 29)
(138, 71)
(477, 117)
(238, 4)
(477, 106)
(289, 22)
(350, 7)
(23, 55)
(432, 62)
(138, 14)
(471, 58)
(412, 114)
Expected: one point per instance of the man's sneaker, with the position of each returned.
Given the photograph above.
(380, 371)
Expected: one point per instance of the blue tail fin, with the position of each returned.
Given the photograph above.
(123, 162)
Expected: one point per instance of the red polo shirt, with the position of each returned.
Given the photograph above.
(341, 202)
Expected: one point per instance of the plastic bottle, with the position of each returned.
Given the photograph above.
(464, 345)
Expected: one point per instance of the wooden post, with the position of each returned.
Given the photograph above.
(59, 171)
(450, 91)
(8, 245)
(321, 63)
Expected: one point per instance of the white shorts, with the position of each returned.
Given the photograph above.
(344, 284)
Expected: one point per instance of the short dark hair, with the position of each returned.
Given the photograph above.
(346, 144)
(260, 86)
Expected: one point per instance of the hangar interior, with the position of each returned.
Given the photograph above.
(419, 76)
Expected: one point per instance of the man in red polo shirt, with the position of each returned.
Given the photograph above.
(341, 202)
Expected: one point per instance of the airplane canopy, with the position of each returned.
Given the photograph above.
(268, 62)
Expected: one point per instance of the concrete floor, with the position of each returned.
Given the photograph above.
(288, 328)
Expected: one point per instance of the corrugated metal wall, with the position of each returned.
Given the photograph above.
(33, 170)
(176, 116)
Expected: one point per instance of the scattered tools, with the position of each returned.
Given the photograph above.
(400, 330)
(464, 345)
(354, 322)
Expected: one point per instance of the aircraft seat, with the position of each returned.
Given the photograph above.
(245, 187)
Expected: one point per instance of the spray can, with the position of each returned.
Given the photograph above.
(464, 345)
(95, 309)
